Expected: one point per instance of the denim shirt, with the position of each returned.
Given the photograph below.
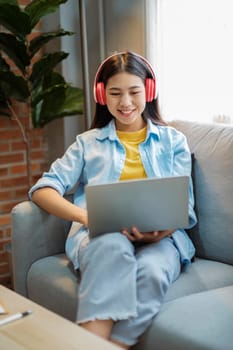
(97, 156)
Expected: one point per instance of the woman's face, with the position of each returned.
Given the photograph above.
(126, 100)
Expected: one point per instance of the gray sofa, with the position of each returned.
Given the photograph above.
(198, 310)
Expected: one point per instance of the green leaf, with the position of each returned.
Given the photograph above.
(4, 110)
(45, 65)
(44, 93)
(14, 20)
(15, 49)
(39, 8)
(52, 79)
(44, 38)
(60, 102)
(14, 86)
(9, 2)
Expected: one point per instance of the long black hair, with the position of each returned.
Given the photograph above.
(133, 64)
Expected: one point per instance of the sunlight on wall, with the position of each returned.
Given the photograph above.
(195, 59)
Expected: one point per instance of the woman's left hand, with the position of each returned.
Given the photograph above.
(146, 237)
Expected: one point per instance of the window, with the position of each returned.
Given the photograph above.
(195, 59)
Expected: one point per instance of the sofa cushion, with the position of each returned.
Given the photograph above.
(213, 148)
(53, 283)
(202, 275)
(195, 322)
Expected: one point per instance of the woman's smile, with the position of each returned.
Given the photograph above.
(126, 113)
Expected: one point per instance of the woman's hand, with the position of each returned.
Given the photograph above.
(146, 237)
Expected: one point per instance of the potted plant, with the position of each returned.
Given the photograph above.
(33, 79)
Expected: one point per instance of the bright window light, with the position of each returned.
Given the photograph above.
(195, 59)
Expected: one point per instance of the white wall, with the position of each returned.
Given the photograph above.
(124, 25)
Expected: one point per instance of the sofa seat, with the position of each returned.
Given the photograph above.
(203, 275)
(190, 323)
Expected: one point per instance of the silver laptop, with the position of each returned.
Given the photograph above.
(149, 204)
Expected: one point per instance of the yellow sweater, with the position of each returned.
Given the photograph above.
(133, 167)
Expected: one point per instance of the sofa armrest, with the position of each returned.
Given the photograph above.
(35, 234)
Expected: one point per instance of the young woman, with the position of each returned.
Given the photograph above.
(124, 275)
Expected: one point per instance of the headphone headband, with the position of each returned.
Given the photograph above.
(99, 90)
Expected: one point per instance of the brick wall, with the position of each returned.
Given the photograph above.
(13, 174)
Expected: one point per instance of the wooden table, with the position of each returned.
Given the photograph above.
(43, 329)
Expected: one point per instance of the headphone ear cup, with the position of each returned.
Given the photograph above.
(150, 89)
(100, 93)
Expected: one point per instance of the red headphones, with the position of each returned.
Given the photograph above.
(150, 84)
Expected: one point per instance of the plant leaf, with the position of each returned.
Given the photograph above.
(15, 49)
(14, 86)
(45, 65)
(44, 38)
(39, 8)
(50, 80)
(60, 102)
(44, 93)
(4, 109)
(41, 95)
(14, 20)
(9, 2)
(54, 78)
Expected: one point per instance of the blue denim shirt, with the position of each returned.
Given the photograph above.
(97, 156)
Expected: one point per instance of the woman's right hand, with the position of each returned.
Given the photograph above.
(51, 201)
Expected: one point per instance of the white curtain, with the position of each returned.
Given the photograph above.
(194, 58)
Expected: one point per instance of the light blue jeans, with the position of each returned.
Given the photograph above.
(125, 283)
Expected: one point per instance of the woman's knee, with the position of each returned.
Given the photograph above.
(157, 265)
(116, 243)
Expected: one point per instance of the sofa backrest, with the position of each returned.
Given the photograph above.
(212, 146)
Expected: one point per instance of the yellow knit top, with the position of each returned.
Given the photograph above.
(133, 167)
